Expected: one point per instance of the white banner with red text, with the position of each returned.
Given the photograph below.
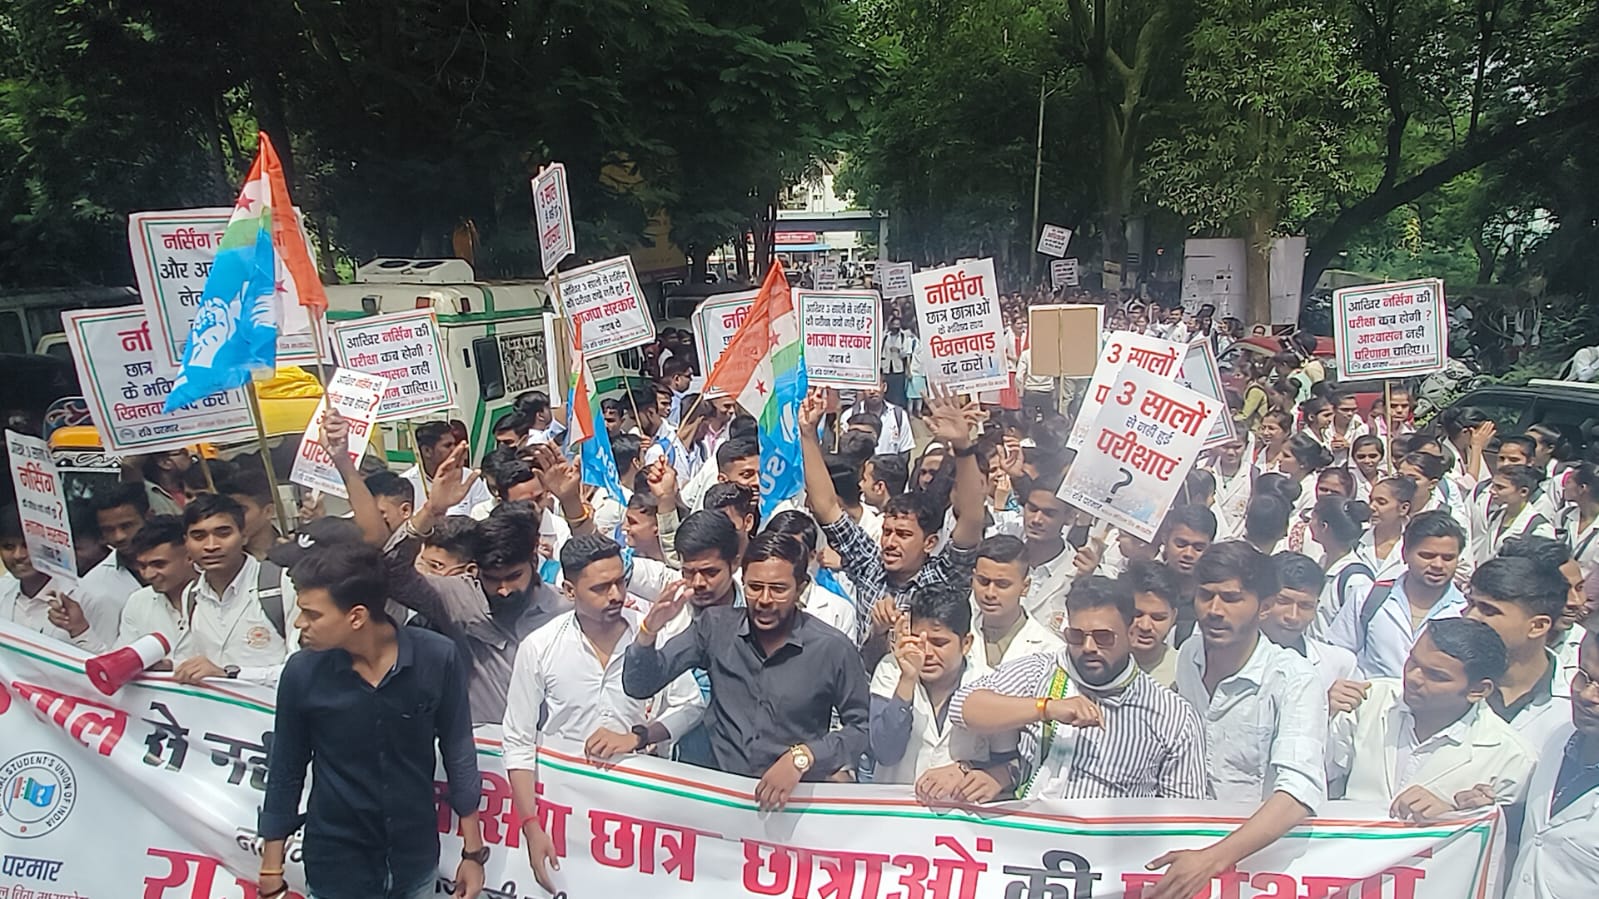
(153, 792)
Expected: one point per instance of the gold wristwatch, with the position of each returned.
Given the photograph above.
(802, 758)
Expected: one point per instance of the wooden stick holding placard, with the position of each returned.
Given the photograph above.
(205, 468)
(1388, 415)
(254, 400)
(421, 470)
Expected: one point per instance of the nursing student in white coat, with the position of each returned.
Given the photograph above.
(1521, 596)
(1291, 612)
(1004, 632)
(1559, 856)
(1514, 512)
(1381, 627)
(1336, 525)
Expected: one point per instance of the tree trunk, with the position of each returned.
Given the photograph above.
(698, 263)
(1258, 277)
(741, 256)
(1485, 258)
(1114, 168)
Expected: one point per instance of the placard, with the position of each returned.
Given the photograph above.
(1064, 273)
(1391, 330)
(827, 276)
(115, 355)
(1064, 339)
(356, 395)
(605, 297)
(1162, 357)
(895, 278)
(958, 307)
(552, 211)
(404, 349)
(841, 330)
(172, 254)
(1201, 374)
(1144, 439)
(42, 504)
(1053, 239)
(716, 321)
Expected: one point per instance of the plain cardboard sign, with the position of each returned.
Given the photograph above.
(1064, 339)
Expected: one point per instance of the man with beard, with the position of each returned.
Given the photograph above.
(1381, 628)
(1092, 725)
(777, 675)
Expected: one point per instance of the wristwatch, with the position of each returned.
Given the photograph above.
(481, 856)
(643, 733)
(231, 672)
(802, 758)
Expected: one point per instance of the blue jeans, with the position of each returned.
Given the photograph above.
(423, 889)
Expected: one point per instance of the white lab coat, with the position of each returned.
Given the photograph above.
(1559, 855)
(1032, 639)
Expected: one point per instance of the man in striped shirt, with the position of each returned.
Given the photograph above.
(1091, 724)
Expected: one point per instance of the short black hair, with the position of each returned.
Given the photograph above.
(1475, 645)
(10, 522)
(512, 421)
(1297, 571)
(707, 530)
(583, 550)
(208, 504)
(457, 535)
(508, 536)
(1097, 591)
(890, 468)
(737, 497)
(1266, 517)
(428, 434)
(946, 603)
(1543, 550)
(1237, 559)
(644, 501)
(1522, 477)
(783, 547)
(1005, 549)
(248, 482)
(116, 496)
(856, 445)
(796, 524)
(733, 450)
(866, 420)
(531, 403)
(845, 474)
(1431, 466)
(675, 365)
(911, 505)
(389, 485)
(160, 530)
(625, 447)
(1197, 518)
(1149, 576)
(84, 521)
(1436, 523)
(353, 574)
(1535, 587)
(742, 427)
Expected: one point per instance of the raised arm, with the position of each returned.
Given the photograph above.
(818, 485)
(335, 438)
(953, 420)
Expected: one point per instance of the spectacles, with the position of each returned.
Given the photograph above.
(1076, 636)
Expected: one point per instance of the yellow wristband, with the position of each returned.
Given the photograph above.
(277, 873)
(1043, 707)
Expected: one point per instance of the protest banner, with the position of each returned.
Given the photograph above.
(552, 211)
(402, 347)
(827, 276)
(1063, 273)
(172, 254)
(1146, 435)
(1162, 357)
(188, 764)
(1390, 330)
(716, 321)
(42, 505)
(356, 395)
(895, 278)
(1201, 374)
(605, 297)
(1053, 239)
(1064, 339)
(842, 330)
(958, 307)
(126, 387)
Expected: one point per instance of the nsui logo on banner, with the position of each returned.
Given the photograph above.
(37, 792)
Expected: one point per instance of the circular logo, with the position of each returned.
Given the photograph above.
(258, 637)
(37, 792)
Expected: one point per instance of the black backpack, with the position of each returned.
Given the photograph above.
(1372, 605)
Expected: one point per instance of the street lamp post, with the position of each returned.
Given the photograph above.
(1038, 179)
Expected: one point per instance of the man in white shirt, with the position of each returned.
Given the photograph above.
(1424, 744)
(567, 683)
(883, 477)
(27, 596)
(120, 512)
(1521, 598)
(542, 426)
(1264, 710)
(242, 620)
(894, 436)
(1381, 627)
(1051, 561)
(434, 442)
(999, 584)
(1290, 613)
(161, 554)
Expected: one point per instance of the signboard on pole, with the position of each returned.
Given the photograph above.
(172, 254)
(1146, 436)
(841, 330)
(126, 386)
(1063, 340)
(356, 395)
(895, 278)
(605, 297)
(1064, 273)
(42, 505)
(1161, 357)
(1391, 330)
(716, 321)
(552, 211)
(827, 276)
(958, 308)
(1201, 374)
(402, 348)
(1053, 239)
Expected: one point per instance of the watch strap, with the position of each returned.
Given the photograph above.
(481, 856)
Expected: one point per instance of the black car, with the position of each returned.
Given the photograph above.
(1570, 407)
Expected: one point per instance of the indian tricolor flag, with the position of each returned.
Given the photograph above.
(763, 368)
(585, 426)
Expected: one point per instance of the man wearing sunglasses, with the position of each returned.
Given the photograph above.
(1089, 722)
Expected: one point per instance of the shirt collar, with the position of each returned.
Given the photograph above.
(1458, 733)
(240, 583)
(405, 654)
(795, 638)
(1254, 669)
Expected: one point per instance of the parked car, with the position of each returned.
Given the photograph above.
(1570, 407)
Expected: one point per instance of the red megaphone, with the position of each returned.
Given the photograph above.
(110, 671)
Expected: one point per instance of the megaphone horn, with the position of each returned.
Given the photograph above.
(110, 671)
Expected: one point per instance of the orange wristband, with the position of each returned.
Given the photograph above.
(1043, 707)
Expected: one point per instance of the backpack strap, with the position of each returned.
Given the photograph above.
(269, 592)
(1350, 570)
(1373, 604)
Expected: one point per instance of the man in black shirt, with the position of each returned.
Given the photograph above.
(363, 703)
(777, 675)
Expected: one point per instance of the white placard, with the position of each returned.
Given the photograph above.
(605, 297)
(356, 395)
(958, 307)
(827, 276)
(1201, 374)
(43, 506)
(552, 214)
(404, 349)
(1144, 439)
(1053, 240)
(1163, 357)
(895, 278)
(172, 254)
(841, 330)
(716, 321)
(1063, 273)
(1391, 330)
(126, 387)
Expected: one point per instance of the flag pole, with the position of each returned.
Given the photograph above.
(205, 468)
(254, 400)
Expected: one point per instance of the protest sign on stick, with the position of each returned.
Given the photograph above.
(1053, 240)
(1064, 339)
(958, 308)
(1063, 273)
(895, 278)
(1390, 330)
(716, 321)
(1201, 374)
(552, 212)
(402, 347)
(1161, 357)
(357, 396)
(842, 330)
(1142, 442)
(42, 505)
(606, 298)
